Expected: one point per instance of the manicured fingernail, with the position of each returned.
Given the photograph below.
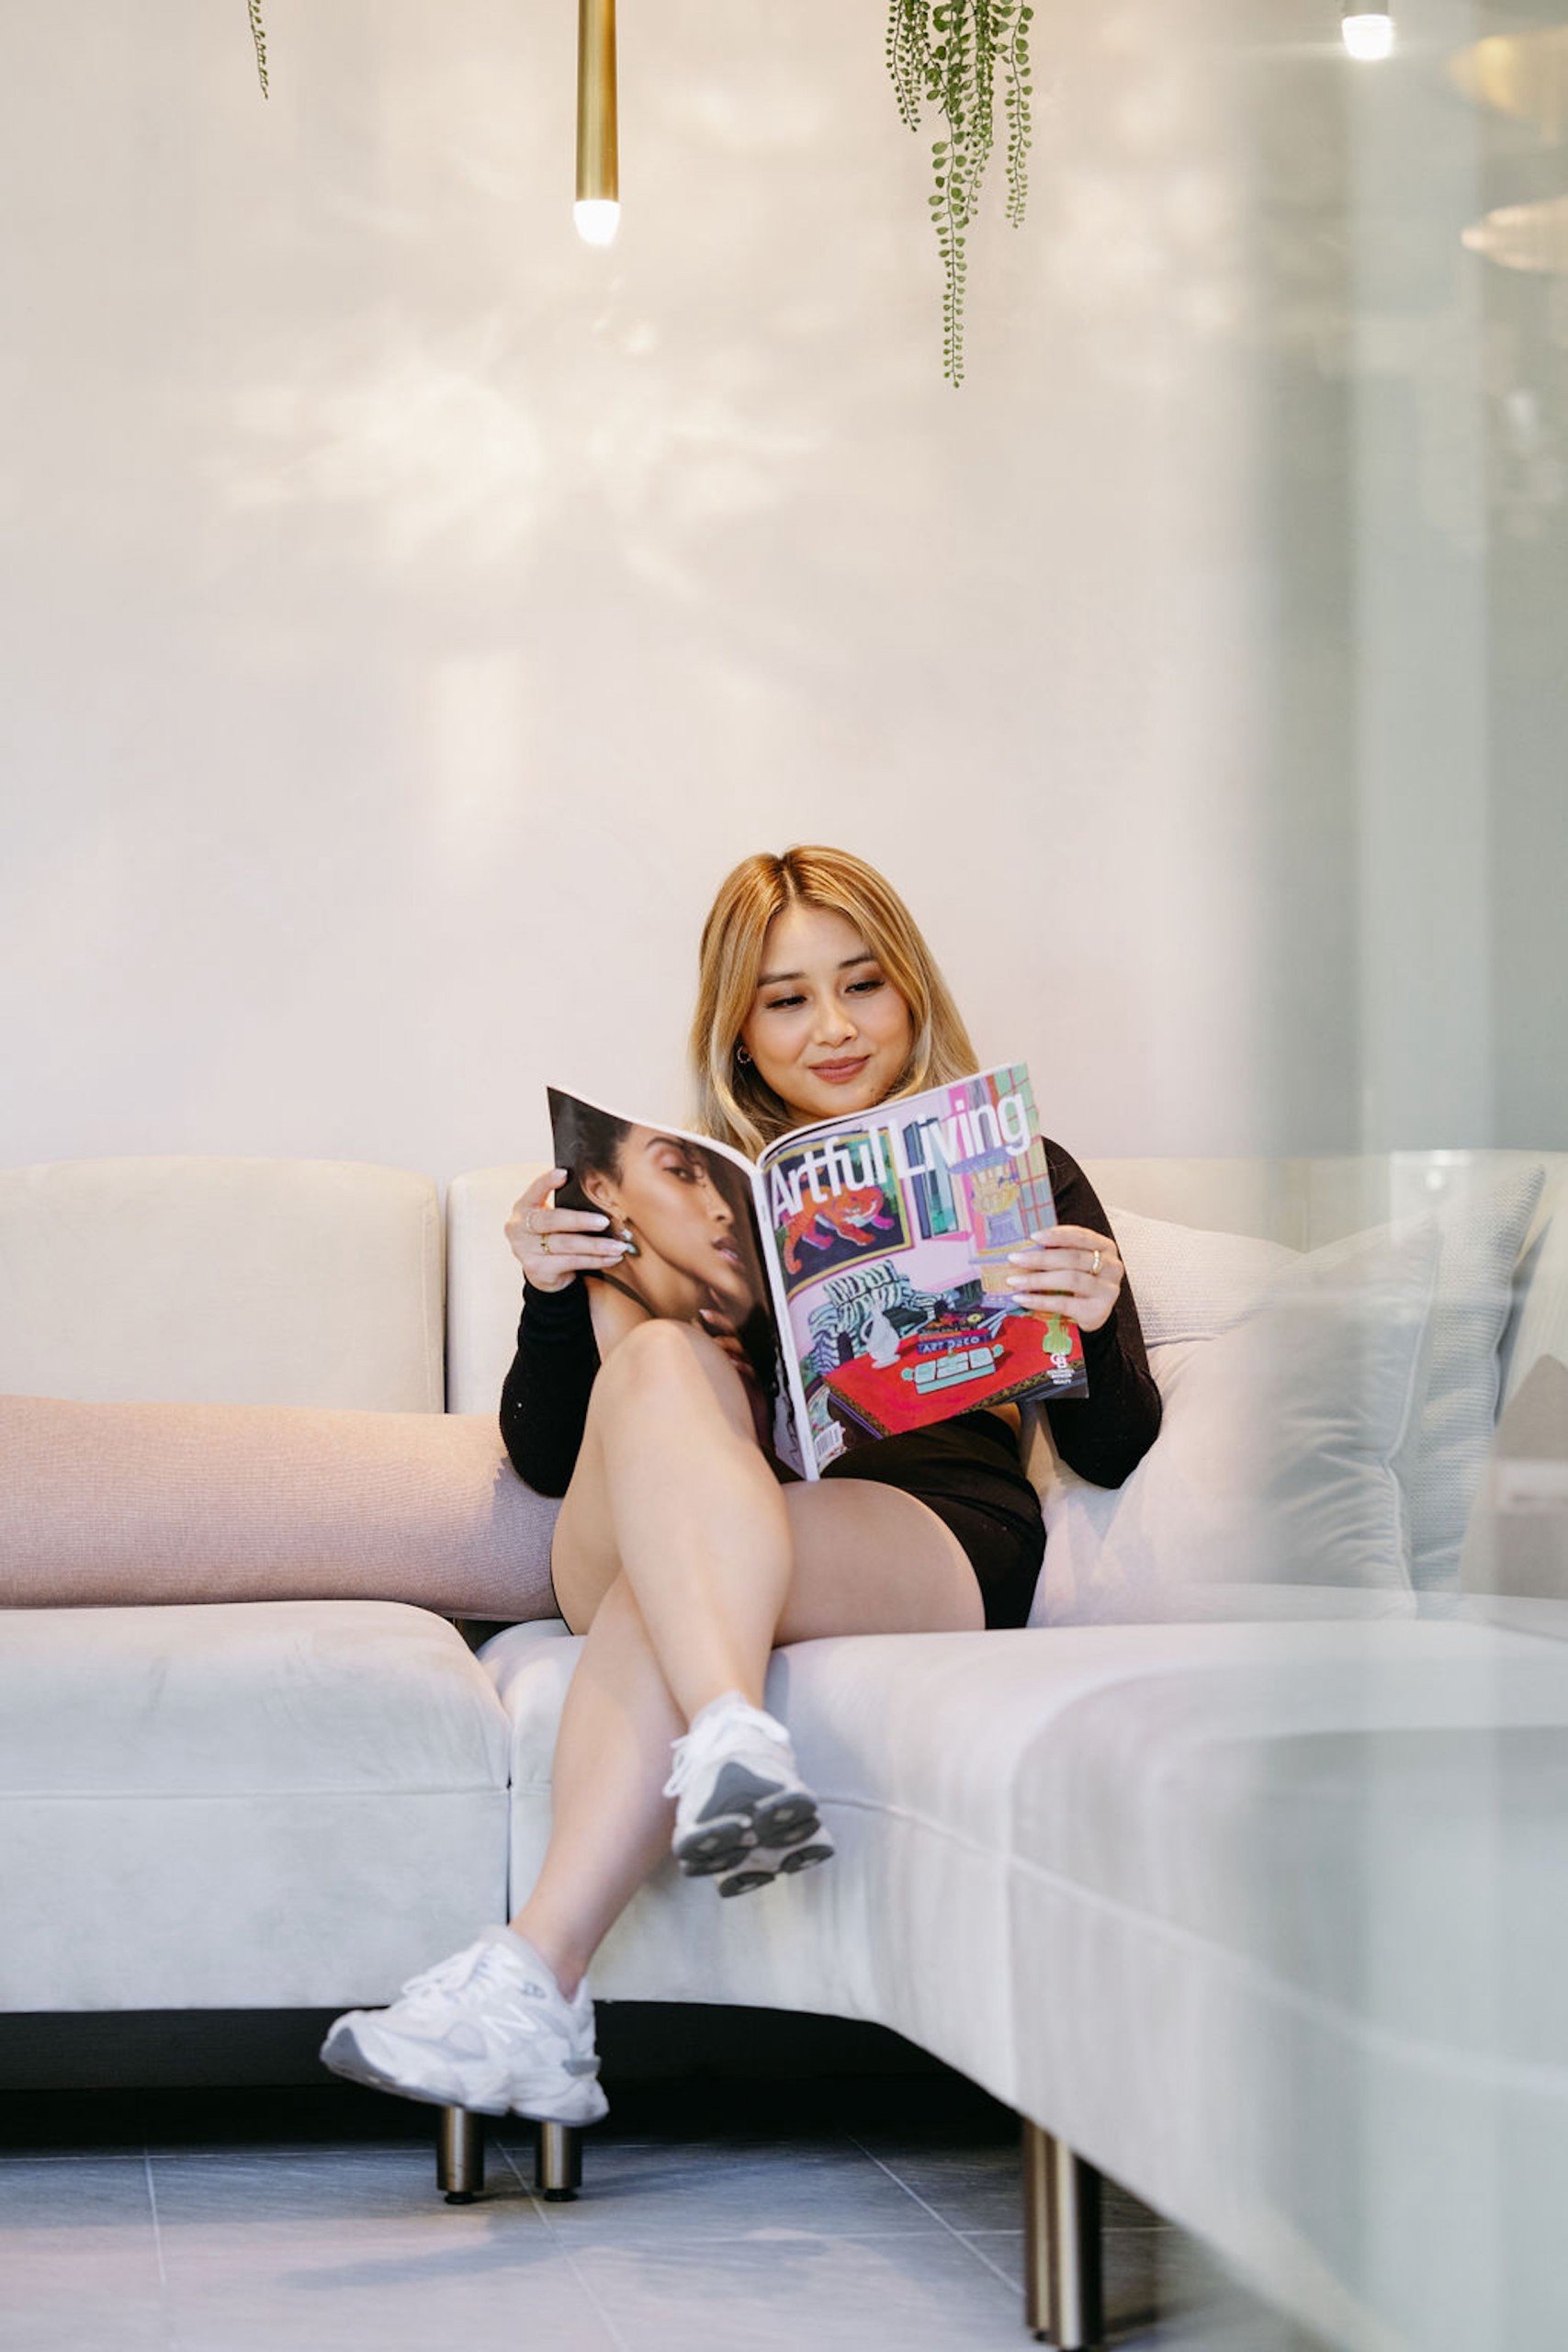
(1016, 1281)
(1018, 1257)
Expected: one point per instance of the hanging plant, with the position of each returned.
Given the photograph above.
(258, 35)
(946, 54)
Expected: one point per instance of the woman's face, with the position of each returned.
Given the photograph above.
(823, 1000)
(688, 1254)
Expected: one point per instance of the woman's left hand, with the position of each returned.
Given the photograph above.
(1055, 1275)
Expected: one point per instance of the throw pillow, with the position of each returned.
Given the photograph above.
(108, 1504)
(1481, 1221)
(1190, 1283)
(1517, 1538)
(1274, 1461)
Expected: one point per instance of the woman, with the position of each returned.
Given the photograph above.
(680, 1552)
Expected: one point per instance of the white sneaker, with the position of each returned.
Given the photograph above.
(760, 1865)
(739, 1788)
(488, 2029)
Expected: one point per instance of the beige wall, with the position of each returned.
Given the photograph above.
(411, 614)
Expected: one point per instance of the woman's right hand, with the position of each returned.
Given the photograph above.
(576, 1237)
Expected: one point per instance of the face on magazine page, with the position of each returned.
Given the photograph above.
(687, 1213)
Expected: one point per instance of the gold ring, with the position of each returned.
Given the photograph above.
(1095, 1268)
(544, 1241)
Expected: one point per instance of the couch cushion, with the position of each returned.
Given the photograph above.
(265, 1282)
(115, 1503)
(1273, 1463)
(484, 1282)
(277, 1804)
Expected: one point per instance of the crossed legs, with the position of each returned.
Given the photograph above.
(685, 1562)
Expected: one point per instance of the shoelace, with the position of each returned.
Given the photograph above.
(482, 1962)
(691, 1748)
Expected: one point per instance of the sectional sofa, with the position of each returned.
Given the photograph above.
(1240, 1874)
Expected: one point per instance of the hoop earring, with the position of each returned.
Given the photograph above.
(741, 1054)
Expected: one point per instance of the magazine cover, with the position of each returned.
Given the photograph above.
(859, 1269)
(890, 1234)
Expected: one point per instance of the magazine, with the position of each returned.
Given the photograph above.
(860, 1263)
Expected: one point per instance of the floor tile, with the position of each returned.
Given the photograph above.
(79, 2261)
(348, 2304)
(322, 2249)
(78, 2208)
(641, 2191)
(259, 2215)
(975, 2181)
(792, 2288)
(1001, 2250)
(64, 2318)
(972, 2188)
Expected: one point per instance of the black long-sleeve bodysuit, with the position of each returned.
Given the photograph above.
(966, 1469)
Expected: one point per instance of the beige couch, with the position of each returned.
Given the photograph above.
(1262, 1915)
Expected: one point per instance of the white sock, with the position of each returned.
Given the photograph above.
(726, 1703)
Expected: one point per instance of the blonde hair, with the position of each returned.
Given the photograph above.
(733, 1102)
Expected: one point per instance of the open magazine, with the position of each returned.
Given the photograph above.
(861, 1263)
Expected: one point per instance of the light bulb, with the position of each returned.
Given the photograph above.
(1367, 33)
(597, 219)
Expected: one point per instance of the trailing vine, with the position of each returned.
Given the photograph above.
(945, 53)
(941, 53)
(258, 35)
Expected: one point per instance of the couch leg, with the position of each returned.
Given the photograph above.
(1063, 2301)
(460, 2156)
(558, 2166)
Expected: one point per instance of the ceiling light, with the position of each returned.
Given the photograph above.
(598, 209)
(1367, 33)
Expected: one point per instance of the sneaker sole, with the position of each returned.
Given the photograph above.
(341, 2053)
(785, 1820)
(593, 2107)
(744, 1881)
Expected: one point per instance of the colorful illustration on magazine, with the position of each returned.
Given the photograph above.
(893, 1242)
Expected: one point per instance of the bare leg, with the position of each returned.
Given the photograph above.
(686, 1561)
(610, 1822)
(684, 1505)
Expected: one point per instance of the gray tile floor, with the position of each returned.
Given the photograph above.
(732, 2219)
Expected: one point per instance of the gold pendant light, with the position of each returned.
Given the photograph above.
(598, 208)
(1367, 28)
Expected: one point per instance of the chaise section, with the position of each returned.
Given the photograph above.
(265, 1804)
(1290, 1940)
(916, 1744)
